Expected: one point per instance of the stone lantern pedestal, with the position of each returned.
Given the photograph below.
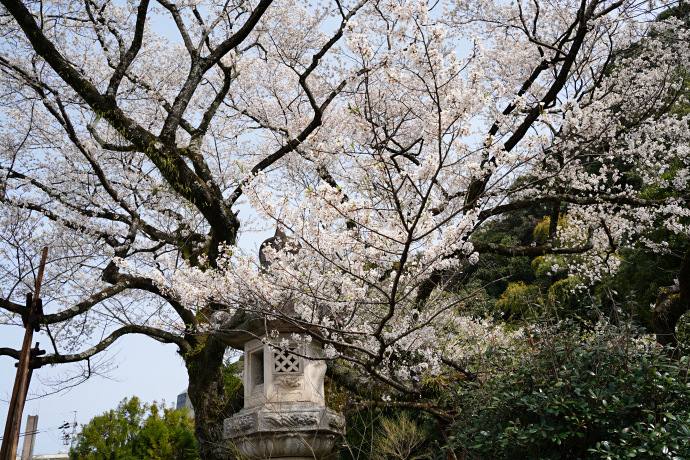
(300, 432)
(284, 415)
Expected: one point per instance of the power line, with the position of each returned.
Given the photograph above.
(36, 431)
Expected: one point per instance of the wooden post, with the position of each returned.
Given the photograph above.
(21, 382)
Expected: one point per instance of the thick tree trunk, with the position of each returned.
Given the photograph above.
(671, 304)
(208, 395)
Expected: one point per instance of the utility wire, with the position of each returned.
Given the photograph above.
(36, 431)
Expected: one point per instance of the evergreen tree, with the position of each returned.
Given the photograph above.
(137, 431)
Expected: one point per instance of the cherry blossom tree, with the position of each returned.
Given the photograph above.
(378, 136)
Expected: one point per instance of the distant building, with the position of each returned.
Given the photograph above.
(183, 401)
(29, 437)
(62, 455)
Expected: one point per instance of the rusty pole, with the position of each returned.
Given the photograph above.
(21, 382)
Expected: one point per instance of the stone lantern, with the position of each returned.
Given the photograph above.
(284, 415)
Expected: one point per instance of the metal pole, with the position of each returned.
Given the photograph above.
(74, 430)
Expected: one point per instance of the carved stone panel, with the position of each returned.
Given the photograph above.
(239, 424)
(291, 420)
(288, 382)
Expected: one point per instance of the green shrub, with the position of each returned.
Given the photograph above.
(609, 394)
(565, 297)
(519, 300)
(400, 438)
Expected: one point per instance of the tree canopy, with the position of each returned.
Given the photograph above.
(144, 141)
(136, 431)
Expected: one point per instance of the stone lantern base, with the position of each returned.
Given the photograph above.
(297, 431)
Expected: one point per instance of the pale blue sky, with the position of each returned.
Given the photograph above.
(145, 368)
